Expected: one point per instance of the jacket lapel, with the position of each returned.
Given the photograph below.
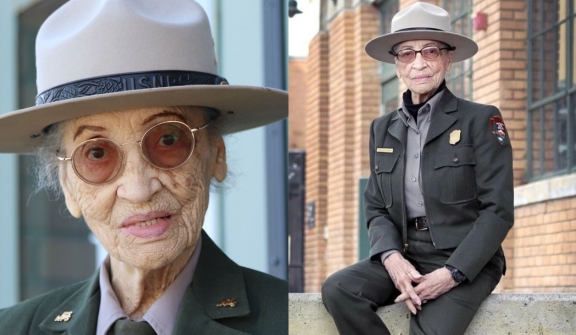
(84, 305)
(441, 121)
(216, 278)
(398, 129)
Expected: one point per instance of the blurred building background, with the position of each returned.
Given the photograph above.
(526, 66)
(43, 247)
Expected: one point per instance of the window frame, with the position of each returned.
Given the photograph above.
(537, 106)
(454, 77)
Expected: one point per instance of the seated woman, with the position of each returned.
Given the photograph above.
(128, 124)
(440, 197)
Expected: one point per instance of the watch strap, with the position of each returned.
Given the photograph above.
(458, 276)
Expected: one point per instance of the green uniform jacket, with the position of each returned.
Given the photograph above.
(262, 303)
(467, 186)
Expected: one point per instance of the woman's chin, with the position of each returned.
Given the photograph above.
(148, 258)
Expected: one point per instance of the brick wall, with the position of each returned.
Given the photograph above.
(543, 257)
(341, 197)
(500, 70)
(317, 160)
(297, 102)
(350, 92)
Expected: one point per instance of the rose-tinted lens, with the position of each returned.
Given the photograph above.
(97, 161)
(168, 145)
(430, 53)
(406, 56)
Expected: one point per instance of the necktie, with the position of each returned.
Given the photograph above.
(129, 327)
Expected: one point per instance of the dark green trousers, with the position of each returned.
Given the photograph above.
(353, 294)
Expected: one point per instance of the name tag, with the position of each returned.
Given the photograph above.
(385, 150)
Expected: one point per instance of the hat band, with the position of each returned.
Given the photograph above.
(417, 28)
(127, 82)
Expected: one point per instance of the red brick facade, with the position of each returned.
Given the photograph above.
(297, 100)
(317, 159)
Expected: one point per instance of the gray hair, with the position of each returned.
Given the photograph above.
(46, 168)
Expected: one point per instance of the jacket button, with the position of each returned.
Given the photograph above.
(376, 168)
(455, 160)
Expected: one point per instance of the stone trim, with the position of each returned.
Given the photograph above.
(545, 190)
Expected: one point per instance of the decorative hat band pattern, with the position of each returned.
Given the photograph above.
(127, 82)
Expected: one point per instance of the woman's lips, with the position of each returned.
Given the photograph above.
(421, 78)
(147, 225)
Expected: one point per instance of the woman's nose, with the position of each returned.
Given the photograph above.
(139, 180)
(418, 62)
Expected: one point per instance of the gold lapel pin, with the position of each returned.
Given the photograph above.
(64, 317)
(230, 302)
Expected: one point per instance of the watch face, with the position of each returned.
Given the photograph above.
(458, 276)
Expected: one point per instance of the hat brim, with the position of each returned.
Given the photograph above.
(378, 47)
(242, 108)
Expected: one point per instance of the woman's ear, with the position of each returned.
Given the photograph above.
(450, 58)
(69, 195)
(220, 167)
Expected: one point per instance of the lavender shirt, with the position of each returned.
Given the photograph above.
(162, 314)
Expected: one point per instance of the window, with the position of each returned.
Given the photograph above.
(551, 87)
(390, 84)
(459, 78)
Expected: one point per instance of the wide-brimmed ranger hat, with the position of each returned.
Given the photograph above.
(420, 21)
(95, 56)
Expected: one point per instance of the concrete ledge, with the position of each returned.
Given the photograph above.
(507, 314)
(545, 190)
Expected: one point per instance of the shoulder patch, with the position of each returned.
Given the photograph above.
(498, 129)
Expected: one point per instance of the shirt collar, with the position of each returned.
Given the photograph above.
(429, 106)
(163, 312)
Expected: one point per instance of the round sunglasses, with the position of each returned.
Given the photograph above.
(166, 146)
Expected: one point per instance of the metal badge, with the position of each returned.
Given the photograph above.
(385, 150)
(455, 136)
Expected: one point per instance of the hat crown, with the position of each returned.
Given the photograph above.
(421, 15)
(92, 38)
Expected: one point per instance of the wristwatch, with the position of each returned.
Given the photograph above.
(458, 276)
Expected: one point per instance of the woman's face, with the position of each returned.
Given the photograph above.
(146, 217)
(422, 77)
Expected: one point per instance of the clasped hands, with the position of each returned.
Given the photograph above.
(427, 287)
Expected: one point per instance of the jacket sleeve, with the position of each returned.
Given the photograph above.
(384, 236)
(495, 194)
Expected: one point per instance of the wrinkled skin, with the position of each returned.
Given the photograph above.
(142, 268)
(422, 77)
(428, 287)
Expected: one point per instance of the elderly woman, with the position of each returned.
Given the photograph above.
(132, 130)
(439, 201)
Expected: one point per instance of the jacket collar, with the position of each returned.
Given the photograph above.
(216, 278)
(441, 121)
